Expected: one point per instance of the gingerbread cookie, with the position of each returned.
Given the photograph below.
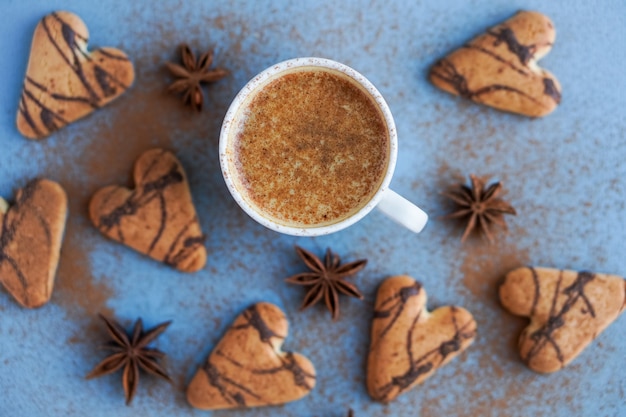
(499, 68)
(31, 232)
(567, 310)
(158, 217)
(409, 343)
(247, 367)
(65, 82)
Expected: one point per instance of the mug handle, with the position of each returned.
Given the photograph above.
(402, 211)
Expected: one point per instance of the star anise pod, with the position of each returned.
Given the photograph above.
(131, 353)
(327, 279)
(479, 206)
(191, 74)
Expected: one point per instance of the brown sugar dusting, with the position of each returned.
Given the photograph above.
(102, 151)
(77, 291)
(484, 264)
(134, 124)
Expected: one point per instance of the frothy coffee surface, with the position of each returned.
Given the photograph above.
(311, 148)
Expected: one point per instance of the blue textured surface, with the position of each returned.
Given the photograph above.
(564, 173)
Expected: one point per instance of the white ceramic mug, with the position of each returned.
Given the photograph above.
(390, 203)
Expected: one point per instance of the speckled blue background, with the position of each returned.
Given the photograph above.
(565, 175)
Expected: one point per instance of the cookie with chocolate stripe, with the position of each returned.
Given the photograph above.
(409, 343)
(567, 311)
(158, 217)
(247, 368)
(64, 81)
(499, 68)
(31, 233)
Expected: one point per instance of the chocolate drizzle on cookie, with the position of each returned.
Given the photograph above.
(550, 89)
(394, 367)
(572, 293)
(139, 199)
(48, 100)
(537, 291)
(254, 320)
(498, 58)
(157, 218)
(31, 231)
(247, 368)
(398, 302)
(523, 52)
(71, 38)
(567, 310)
(426, 363)
(231, 391)
(11, 223)
(446, 71)
(499, 70)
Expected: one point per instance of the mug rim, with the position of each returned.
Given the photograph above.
(251, 86)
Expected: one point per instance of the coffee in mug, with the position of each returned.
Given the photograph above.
(310, 147)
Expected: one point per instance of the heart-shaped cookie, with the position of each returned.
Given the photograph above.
(247, 367)
(567, 310)
(499, 68)
(31, 232)
(65, 82)
(409, 343)
(158, 217)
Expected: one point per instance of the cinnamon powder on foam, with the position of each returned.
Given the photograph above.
(311, 149)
